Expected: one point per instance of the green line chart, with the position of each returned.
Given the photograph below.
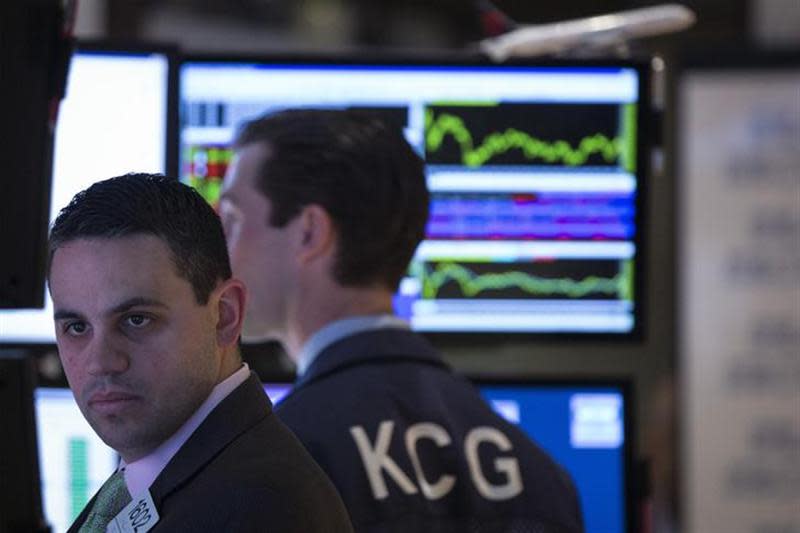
(469, 283)
(531, 147)
(570, 136)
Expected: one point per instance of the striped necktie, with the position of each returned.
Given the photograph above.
(112, 498)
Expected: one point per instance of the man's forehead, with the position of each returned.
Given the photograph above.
(100, 275)
(128, 258)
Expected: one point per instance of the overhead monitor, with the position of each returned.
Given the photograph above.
(536, 174)
(586, 428)
(74, 462)
(113, 120)
(33, 61)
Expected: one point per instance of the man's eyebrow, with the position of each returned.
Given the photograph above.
(136, 302)
(62, 314)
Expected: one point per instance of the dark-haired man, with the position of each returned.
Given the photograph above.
(323, 211)
(147, 321)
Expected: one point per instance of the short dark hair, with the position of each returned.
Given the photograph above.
(151, 204)
(359, 169)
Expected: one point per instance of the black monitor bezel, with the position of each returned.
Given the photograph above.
(645, 136)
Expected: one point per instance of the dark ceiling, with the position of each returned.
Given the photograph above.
(426, 23)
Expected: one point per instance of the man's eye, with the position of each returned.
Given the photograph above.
(138, 321)
(75, 328)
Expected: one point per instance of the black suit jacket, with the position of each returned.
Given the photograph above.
(384, 417)
(242, 470)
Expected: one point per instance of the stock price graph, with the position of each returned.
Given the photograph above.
(552, 134)
(560, 279)
(532, 216)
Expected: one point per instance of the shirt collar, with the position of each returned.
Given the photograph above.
(140, 474)
(340, 329)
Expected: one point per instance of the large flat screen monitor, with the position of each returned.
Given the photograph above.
(585, 426)
(74, 462)
(113, 120)
(536, 174)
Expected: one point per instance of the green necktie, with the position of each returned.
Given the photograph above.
(112, 498)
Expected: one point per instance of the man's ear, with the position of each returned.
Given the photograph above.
(316, 233)
(231, 301)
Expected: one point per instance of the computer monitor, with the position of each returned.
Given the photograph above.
(74, 462)
(20, 495)
(33, 62)
(586, 428)
(113, 120)
(536, 173)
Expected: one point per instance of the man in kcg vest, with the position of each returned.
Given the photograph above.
(323, 211)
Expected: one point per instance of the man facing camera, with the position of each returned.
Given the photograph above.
(323, 211)
(147, 321)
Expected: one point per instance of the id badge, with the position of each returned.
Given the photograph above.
(139, 516)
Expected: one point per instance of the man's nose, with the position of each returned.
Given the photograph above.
(106, 355)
